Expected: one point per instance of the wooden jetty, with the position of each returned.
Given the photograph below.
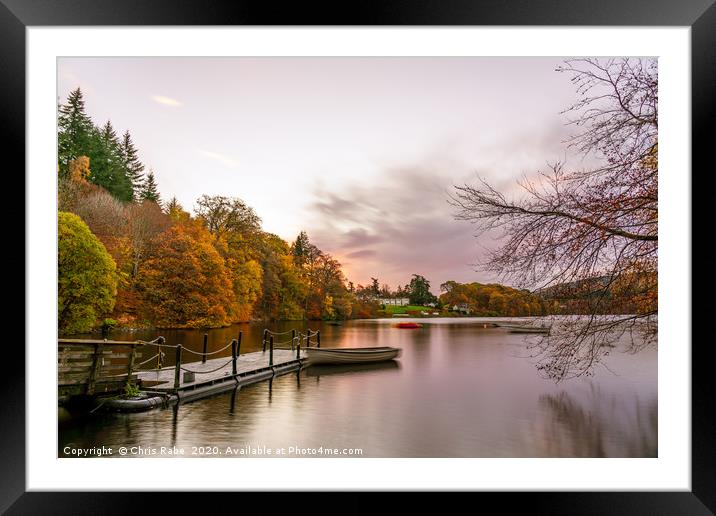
(93, 367)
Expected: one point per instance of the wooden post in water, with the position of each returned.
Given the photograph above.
(318, 338)
(160, 342)
(206, 345)
(265, 339)
(293, 339)
(298, 348)
(131, 364)
(177, 367)
(96, 366)
(234, 354)
(238, 345)
(271, 351)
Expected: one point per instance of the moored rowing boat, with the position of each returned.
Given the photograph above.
(350, 355)
(518, 328)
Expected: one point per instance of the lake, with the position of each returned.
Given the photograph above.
(458, 390)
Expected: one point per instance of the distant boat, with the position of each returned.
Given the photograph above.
(524, 328)
(350, 355)
(408, 325)
(335, 323)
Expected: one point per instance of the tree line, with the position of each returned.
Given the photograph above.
(125, 254)
(494, 299)
(132, 259)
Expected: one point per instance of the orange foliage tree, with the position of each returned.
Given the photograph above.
(184, 282)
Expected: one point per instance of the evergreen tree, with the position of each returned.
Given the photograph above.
(74, 131)
(150, 191)
(300, 248)
(375, 287)
(106, 164)
(173, 206)
(133, 168)
(419, 291)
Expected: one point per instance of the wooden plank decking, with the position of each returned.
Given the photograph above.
(247, 365)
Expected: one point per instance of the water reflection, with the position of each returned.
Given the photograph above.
(600, 426)
(333, 369)
(457, 390)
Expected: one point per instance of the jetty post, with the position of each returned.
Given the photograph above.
(177, 367)
(265, 340)
(234, 354)
(206, 345)
(293, 339)
(318, 338)
(271, 351)
(96, 365)
(238, 345)
(132, 355)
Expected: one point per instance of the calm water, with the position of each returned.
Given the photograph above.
(458, 390)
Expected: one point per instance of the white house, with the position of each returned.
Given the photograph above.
(399, 301)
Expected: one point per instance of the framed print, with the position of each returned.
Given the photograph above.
(412, 251)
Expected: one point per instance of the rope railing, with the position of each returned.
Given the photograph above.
(159, 342)
(276, 344)
(140, 364)
(210, 352)
(210, 371)
(278, 332)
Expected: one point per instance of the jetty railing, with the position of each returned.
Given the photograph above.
(102, 366)
(95, 366)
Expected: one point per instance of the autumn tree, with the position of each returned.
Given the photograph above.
(145, 220)
(225, 215)
(106, 218)
(86, 276)
(183, 280)
(73, 185)
(571, 225)
(284, 287)
(175, 210)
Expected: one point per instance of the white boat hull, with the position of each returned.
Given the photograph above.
(514, 328)
(350, 355)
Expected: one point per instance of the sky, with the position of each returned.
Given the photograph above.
(361, 153)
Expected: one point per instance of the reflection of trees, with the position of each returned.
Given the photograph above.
(598, 426)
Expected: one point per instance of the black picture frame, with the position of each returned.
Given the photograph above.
(699, 15)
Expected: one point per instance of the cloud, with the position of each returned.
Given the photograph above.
(167, 101)
(221, 158)
(396, 227)
(362, 253)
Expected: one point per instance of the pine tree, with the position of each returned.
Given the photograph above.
(134, 169)
(106, 164)
(300, 248)
(173, 206)
(150, 191)
(74, 131)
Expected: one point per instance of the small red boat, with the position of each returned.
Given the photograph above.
(408, 325)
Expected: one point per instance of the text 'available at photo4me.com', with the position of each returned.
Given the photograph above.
(241, 450)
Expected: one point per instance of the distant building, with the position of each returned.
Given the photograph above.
(389, 301)
(463, 308)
